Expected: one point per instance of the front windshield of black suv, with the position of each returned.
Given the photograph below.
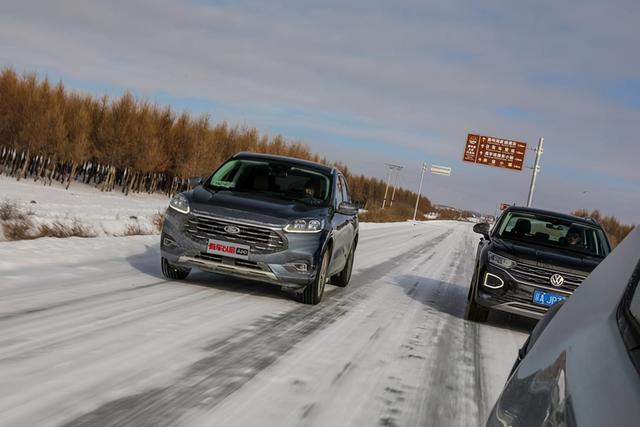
(554, 232)
(276, 179)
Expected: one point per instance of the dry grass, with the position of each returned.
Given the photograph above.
(25, 229)
(18, 224)
(18, 229)
(134, 229)
(397, 212)
(60, 230)
(10, 211)
(158, 221)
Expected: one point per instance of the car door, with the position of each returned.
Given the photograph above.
(340, 225)
(352, 220)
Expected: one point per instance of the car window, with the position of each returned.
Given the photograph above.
(277, 179)
(634, 307)
(345, 190)
(339, 192)
(555, 232)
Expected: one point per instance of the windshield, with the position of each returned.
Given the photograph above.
(277, 179)
(555, 232)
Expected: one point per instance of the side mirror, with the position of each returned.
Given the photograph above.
(195, 181)
(347, 208)
(358, 204)
(482, 228)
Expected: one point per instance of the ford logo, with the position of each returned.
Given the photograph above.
(557, 280)
(231, 229)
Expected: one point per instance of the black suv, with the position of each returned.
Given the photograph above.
(275, 219)
(532, 259)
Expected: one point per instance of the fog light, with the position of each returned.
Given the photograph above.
(492, 281)
(301, 267)
(298, 267)
(167, 241)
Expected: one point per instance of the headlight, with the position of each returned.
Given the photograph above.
(305, 226)
(501, 261)
(180, 203)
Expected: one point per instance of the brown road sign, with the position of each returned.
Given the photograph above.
(492, 151)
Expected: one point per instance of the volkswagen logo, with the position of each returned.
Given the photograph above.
(557, 280)
(231, 229)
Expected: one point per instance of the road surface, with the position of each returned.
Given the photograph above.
(91, 334)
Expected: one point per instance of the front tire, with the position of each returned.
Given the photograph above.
(313, 293)
(342, 279)
(174, 273)
(474, 311)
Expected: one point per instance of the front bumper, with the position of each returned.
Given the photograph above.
(514, 296)
(183, 250)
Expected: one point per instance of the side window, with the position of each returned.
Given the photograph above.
(339, 192)
(345, 190)
(634, 307)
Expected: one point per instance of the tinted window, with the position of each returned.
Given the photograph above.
(345, 190)
(556, 232)
(278, 179)
(634, 308)
(339, 192)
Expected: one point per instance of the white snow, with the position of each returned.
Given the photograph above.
(105, 214)
(90, 332)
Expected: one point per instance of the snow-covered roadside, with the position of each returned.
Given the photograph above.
(101, 214)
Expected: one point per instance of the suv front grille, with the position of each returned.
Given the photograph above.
(262, 240)
(542, 276)
(222, 260)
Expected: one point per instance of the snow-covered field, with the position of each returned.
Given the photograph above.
(92, 334)
(104, 214)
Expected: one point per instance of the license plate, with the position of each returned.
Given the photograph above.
(232, 250)
(546, 298)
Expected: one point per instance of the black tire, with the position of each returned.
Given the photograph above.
(173, 273)
(474, 311)
(312, 294)
(342, 279)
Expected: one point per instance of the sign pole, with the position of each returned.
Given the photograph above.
(534, 175)
(415, 211)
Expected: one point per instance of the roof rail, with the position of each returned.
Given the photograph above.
(591, 219)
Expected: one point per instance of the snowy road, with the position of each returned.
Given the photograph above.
(91, 334)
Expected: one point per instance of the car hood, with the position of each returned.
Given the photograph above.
(546, 257)
(251, 207)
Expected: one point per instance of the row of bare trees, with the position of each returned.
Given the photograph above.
(51, 134)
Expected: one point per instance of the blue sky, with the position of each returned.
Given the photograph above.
(371, 82)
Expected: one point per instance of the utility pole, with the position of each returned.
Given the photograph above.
(536, 170)
(384, 201)
(393, 194)
(386, 190)
(415, 211)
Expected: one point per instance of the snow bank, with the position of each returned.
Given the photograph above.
(105, 214)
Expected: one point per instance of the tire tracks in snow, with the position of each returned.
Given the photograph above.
(444, 387)
(236, 359)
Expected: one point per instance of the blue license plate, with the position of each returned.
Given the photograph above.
(547, 298)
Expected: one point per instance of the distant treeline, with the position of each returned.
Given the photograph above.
(614, 229)
(51, 134)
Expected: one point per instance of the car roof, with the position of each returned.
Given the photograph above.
(560, 215)
(292, 160)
